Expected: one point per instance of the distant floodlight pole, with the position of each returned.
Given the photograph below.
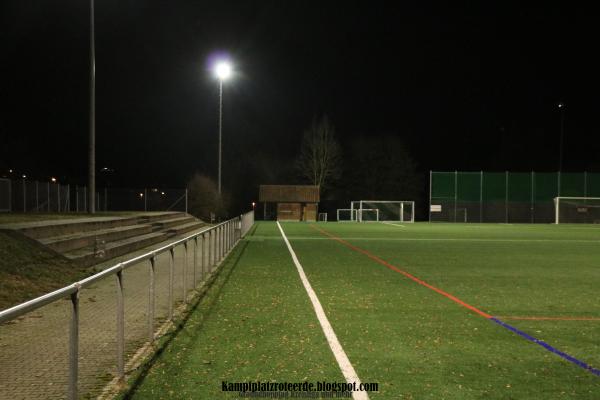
(223, 72)
(92, 137)
(561, 107)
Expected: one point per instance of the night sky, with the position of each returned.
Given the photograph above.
(465, 88)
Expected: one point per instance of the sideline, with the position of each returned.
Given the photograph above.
(339, 353)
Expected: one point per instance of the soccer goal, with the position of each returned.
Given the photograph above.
(323, 217)
(346, 215)
(577, 210)
(391, 211)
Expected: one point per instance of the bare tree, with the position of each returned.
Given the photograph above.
(204, 201)
(320, 158)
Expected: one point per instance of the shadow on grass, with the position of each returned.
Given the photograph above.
(208, 295)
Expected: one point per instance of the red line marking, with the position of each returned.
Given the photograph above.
(406, 274)
(550, 318)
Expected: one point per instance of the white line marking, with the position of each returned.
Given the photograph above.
(389, 223)
(338, 352)
(405, 239)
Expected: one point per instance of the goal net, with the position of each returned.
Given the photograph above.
(392, 211)
(577, 210)
(346, 215)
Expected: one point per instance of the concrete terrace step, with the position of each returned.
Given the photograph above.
(75, 241)
(171, 222)
(163, 216)
(178, 230)
(91, 254)
(52, 228)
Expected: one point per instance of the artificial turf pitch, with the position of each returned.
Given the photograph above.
(257, 322)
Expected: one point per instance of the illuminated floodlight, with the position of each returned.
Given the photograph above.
(53, 179)
(223, 70)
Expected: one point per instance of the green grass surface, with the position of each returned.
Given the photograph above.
(411, 340)
(28, 271)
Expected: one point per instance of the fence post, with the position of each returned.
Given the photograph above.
(506, 198)
(184, 268)
(430, 173)
(24, 197)
(171, 273)
(481, 197)
(455, 192)
(58, 196)
(74, 347)
(145, 199)
(37, 197)
(85, 198)
(532, 197)
(151, 300)
(68, 205)
(186, 200)
(120, 327)
(105, 200)
(48, 195)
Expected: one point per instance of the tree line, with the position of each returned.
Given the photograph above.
(367, 166)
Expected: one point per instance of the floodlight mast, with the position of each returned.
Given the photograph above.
(223, 72)
(561, 107)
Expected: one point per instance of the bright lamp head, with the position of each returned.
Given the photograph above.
(223, 70)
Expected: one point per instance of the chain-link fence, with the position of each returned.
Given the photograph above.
(23, 195)
(505, 197)
(75, 341)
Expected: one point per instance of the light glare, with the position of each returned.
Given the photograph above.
(223, 70)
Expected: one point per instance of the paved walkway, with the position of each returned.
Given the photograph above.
(34, 348)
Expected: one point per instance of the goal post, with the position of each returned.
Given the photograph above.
(577, 210)
(388, 210)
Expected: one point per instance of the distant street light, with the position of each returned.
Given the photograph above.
(53, 179)
(223, 72)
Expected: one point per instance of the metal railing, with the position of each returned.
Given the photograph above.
(140, 302)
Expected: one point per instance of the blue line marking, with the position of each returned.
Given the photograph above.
(548, 347)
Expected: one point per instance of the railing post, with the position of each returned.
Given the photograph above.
(74, 347)
(195, 259)
(151, 298)
(220, 243)
(203, 256)
(184, 268)
(171, 273)
(214, 249)
(120, 327)
(210, 250)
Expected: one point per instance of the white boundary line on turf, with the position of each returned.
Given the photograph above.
(338, 352)
(389, 223)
